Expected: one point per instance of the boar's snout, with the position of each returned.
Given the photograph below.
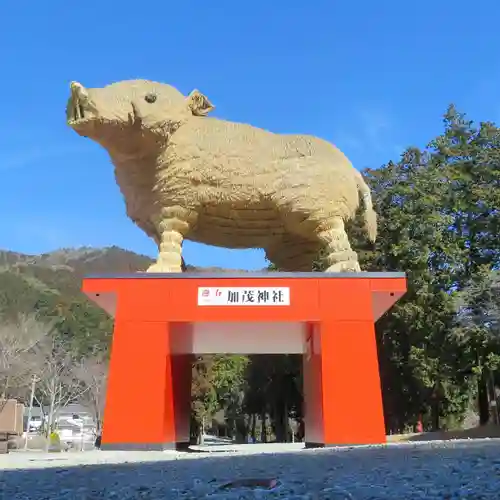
(80, 107)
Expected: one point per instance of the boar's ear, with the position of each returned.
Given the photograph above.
(199, 104)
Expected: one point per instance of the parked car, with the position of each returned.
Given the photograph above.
(35, 424)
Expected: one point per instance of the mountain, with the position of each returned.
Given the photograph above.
(61, 271)
(81, 261)
(50, 285)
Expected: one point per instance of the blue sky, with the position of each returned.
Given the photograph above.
(372, 77)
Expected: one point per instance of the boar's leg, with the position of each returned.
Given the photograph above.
(293, 253)
(171, 227)
(170, 254)
(338, 253)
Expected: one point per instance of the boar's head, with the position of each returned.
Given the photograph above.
(134, 117)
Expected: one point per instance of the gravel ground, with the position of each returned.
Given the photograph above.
(444, 470)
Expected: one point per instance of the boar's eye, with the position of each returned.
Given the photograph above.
(151, 98)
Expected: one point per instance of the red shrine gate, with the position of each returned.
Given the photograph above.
(161, 320)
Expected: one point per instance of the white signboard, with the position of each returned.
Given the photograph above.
(243, 296)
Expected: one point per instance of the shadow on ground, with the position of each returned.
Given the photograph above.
(211, 449)
(482, 432)
(170, 478)
(357, 471)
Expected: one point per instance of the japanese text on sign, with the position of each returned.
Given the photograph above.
(244, 296)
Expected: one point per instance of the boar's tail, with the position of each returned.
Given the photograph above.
(369, 215)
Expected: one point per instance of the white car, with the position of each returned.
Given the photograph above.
(35, 424)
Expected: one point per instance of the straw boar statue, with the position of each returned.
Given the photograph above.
(186, 176)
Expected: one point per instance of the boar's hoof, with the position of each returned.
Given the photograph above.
(344, 267)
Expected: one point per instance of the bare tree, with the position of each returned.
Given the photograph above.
(18, 341)
(92, 373)
(57, 385)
